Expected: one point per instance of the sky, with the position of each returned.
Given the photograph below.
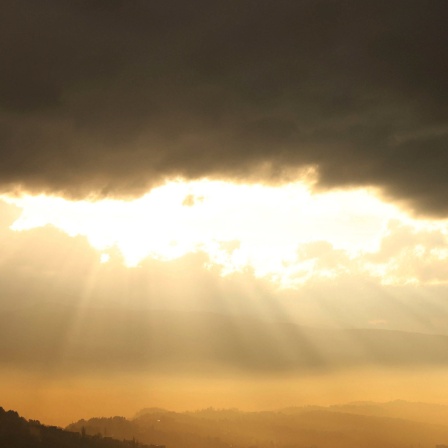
(210, 165)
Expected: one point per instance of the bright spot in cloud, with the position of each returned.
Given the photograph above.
(104, 258)
(286, 232)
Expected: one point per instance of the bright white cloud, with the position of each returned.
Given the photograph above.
(286, 233)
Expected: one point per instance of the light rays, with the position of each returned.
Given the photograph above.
(263, 257)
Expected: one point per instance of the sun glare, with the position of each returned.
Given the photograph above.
(276, 231)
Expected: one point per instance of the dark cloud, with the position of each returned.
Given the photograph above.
(112, 97)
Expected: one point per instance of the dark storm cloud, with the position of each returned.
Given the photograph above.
(110, 97)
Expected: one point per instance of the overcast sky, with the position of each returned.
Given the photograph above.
(110, 97)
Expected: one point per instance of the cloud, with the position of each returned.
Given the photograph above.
(110, 98)
(8, 215)
(408, 253)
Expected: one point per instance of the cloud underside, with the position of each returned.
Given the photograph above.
(111, 98)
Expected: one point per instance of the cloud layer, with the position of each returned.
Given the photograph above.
(113, 97)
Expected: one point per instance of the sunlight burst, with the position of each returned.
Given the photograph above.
(282, 232)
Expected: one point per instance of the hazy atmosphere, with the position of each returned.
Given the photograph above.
(227, 204)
